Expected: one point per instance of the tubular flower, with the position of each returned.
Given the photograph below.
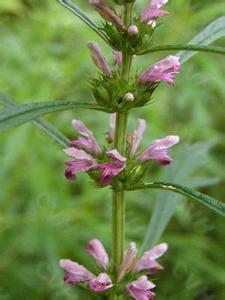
(140, 289)
(107, 13)
(85, 153)
(148, 261)
(118, 58)
(157, 150)
(76, 274)
(99, 59)
(97, 250)
(129, 261)
(153, 12)
(101, 283)
(165, 70)
(113, 168)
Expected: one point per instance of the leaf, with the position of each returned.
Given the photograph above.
(166, 203)
(23, 113)
(44, 125)
(200, 42)
(208, 201)
(81, 15)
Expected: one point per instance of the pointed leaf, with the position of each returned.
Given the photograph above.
(208, 201)
(23, 113)
(81, 15)
(44, 125)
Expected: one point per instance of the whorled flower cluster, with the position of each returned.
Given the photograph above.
(133, 275)
(87, 156)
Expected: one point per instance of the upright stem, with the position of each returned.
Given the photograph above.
(118, 199)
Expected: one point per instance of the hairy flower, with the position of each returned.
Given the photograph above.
(74, 273)
(129, 261)
(99, 59)
(87, 140)
(158, 150)
(81, 162)
(118, 58)
(148, 261)
(153, 11)
(165, 70)
(140, 289)
(107, 13)
(97, 250)
(113, 168)
(101, 283)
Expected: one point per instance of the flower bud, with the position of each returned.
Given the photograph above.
(133, 30)
(129, 97)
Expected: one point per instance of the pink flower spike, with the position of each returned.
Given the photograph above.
(87, 142)
(97, 250)
(165, 70)
(129, 260)
(138, 135)
(99, 59)
(101, 283)
(107, 13)
(74, 273)
(153, 12)
(148, 260)
(141, 289)
(158, 150)
(133, 30)
(111, 169)
(81, 162)
(118, 58)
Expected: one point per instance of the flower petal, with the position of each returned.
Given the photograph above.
(140, 289)
(74, 272)
(153, 11)
(97, 250)
(165, 70)
(129, 260)
(99, 59)
(101, 283)
(138, 135)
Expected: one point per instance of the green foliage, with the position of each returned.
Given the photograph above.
(42, 216)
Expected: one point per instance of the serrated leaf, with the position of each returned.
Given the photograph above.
(23, 113)
(82, 16)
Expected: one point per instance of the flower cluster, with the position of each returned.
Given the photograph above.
(87, 156)
(133, 273)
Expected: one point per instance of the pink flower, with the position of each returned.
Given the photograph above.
(110, 134)
(165, 70)
(153, 11)
(74, 273)
(140, 289)
(97, 250)
(137, 137)
(101, 283)
(107, 13)
(158, 150)
(129, 261)
(148, 261)
(118, 58)
(99, 59)
(81, 162)
(111, 169)
(87, 140)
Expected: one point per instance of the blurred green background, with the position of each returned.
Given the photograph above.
(43, 217)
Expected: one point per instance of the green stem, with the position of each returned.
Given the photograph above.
(118, 199)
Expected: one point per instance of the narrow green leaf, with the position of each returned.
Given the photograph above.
(47, 127)
(81, 15)
(200, 42)
(208, 201)
(22, 113)
(190, 48)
